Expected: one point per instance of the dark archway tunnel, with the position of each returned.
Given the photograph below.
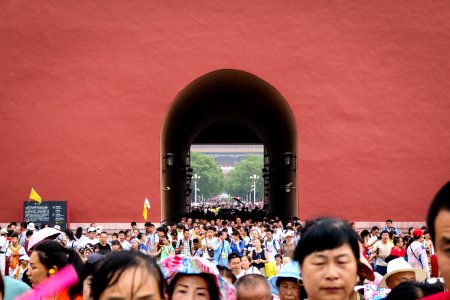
(230, 107)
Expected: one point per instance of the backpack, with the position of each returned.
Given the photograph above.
(190, 245)
(274, 244)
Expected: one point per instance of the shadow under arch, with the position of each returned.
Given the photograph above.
(230, 106)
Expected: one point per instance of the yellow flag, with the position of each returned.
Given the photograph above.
(146, 207)
(34, 196)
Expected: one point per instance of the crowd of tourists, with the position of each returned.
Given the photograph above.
(205, 256)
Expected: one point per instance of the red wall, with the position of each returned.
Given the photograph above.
(84, 88)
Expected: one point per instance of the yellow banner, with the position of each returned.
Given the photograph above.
(34, 196)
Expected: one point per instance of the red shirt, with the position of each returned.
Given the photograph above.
(399, 253)
(438, 296)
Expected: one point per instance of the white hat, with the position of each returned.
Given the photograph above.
(24, 257)
(399, 265)
(99, 229)
(30, 226)
(57, 227)
(4, 231)
(91, 229)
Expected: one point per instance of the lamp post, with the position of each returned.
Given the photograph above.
(254, 177)
(196, 178)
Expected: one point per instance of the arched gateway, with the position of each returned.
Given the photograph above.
(230, 106)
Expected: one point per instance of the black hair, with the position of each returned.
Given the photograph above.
(397, 239)
(440, 202)
(388, 220)
(410, 230)
(29, 233)
(90, 267)
(162, 229)
(79, 232)
(384, 231)
(121, 232)
(374, 228)
(133, 223)
(414, 290)
(364, 233)
(51, 253)
(14, 235)
(233, 255)
(148, 224)
(116, 243)
(139, 235)
(114, 265)
(324, 234)
(406, 239)
(69, 234)
(210, 281)
(390, 257)
(391, 234)
(225, 272)
(211, 228)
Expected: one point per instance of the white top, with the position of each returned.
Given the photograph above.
(125, 245)
(85, 240)
(251, 270)
(272, 248)
(207, 242)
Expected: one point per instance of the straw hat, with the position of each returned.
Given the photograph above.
(399, 265)
(291, 270)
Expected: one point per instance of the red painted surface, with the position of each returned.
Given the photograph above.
(84, 88)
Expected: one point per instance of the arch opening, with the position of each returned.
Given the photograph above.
(230, 107)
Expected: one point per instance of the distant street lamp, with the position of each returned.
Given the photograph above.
(196, 178)
(254, 177)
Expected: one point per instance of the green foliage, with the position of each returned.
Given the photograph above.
(211, 176)
(238, 182)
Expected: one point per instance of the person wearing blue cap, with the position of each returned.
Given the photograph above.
(287, 284)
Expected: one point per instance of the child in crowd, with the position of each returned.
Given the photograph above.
(22, 268)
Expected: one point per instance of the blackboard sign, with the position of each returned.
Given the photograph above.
(48, 212)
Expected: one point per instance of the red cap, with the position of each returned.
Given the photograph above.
(417, 232)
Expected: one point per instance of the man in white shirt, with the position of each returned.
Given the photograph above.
(208, 242)
(123, 242)
(22, 238)
(90, 238)
(151, 237)
(271, 245)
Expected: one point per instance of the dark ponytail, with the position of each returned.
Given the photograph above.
(51, 253)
